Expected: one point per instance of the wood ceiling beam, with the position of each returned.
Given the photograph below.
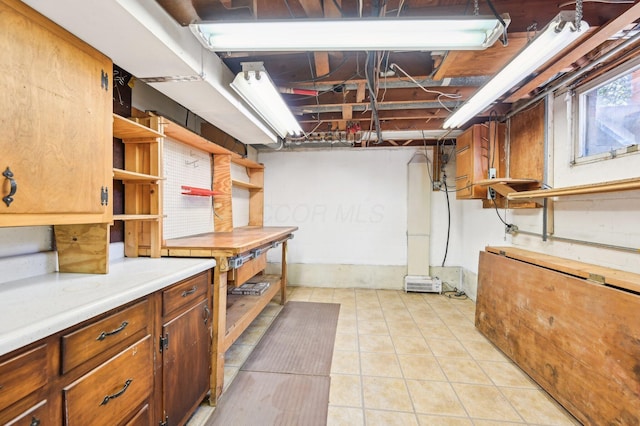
(600, 36)
(465, 63)
(315, 9)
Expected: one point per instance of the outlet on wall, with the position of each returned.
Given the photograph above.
(491, 193)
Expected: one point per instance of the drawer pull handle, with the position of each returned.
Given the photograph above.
(189, 292)
(108, 398)
(13, 187)
(105, 334)
(34, 421)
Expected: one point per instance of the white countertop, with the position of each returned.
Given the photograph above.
(37, 307)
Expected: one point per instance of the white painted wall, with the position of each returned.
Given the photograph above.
(351, 210)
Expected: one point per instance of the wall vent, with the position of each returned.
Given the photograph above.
(422, 284)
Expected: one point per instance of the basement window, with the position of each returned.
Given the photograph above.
(609, 115)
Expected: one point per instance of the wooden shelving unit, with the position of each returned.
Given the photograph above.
(128, 176)
(130, 131)
(138, 217)
(241, 310)
(141, 176)
(245, 185)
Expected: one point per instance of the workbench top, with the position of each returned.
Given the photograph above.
(232, 243)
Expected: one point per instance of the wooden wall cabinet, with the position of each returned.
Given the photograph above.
(478, 149)
(55, 136)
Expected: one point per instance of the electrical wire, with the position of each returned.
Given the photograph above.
(446, 191)
(455, 294)
(508, 225)
(505, 40)
(430, 91)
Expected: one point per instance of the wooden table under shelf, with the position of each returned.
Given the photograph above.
(232, 314)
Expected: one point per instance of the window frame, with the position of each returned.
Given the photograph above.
(579, 114)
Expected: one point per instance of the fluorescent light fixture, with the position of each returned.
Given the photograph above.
(256, 88)
(557, 35)
(453, 33)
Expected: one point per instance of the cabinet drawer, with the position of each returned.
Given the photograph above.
(34, 416)
(22, 375)
(186, 292)
(240, 275)
(112, 392)
(109, 333)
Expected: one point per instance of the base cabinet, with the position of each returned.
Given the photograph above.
(185, 363)
(144, 363)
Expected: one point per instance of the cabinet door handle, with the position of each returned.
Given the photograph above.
(108, 398)
(8, 199)
(34, 421)
(206, 314)
(189, 292)
(105, 334)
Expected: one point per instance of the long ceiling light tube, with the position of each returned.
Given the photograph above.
(448, 33)
(256, 88)
(557, 35)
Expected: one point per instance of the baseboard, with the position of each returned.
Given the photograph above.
(390, 277)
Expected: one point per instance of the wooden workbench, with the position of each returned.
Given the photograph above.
(232, 314)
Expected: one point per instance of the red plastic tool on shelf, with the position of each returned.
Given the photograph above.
(199, 192)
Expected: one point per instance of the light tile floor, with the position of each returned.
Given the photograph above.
(411, 359)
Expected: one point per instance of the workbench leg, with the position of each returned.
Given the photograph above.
(283, 275)
(219, 329)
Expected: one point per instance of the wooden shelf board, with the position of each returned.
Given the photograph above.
(126, 129)
(187, 137)
(246, 185)
(505, 181)
(237, 159)
(140, 217)
(611, 186)
(126, 175)
(506, 186)
(242, 310)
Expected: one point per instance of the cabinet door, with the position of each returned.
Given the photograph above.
(185, 362)
(55, 125)
(464, 165)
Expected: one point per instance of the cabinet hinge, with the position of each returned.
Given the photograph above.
(104, 196)
(166, 421)
(104, 80)
(164, 342)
